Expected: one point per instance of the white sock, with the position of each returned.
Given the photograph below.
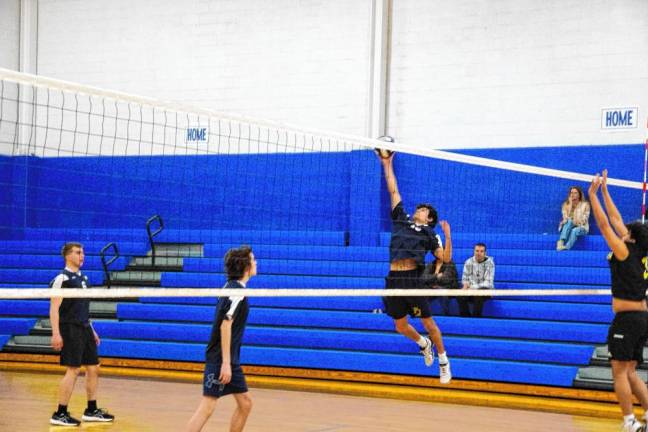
(422, 342)
(628, 419)
(443, 358)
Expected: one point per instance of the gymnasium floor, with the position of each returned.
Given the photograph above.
(28, 399)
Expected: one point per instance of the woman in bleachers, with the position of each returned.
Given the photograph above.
(575, 218)
(629, 329)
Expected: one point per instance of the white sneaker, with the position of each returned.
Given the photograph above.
(427, 353)
(445, 376)
(633, 426)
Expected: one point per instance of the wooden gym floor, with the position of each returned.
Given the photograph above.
(28, 398)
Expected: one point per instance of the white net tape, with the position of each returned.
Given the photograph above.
(35, 293)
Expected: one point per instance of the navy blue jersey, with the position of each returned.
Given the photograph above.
(229, 308)
(73, 310)
(410, 240)
(628, 276)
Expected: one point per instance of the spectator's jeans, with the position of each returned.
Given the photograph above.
(570, 232)
(444, 302)
(478, 305)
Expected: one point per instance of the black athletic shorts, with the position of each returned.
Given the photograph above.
(79, 346)
(627, 336)
(398, 307)
(213, 387)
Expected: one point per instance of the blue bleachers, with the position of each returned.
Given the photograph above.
(54, 262)
(589, 275)
(330, 238)
(411, 364)
(16, 326)
(567, 331)
(531, 340)
(22, 276)
(3, 340)
(516, 241)
(53, 247)
(30, 308)
(465, 347)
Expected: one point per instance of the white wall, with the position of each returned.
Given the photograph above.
(516, 73)
(9, 33)
(9, 58)
(465, 73)
(303, 62)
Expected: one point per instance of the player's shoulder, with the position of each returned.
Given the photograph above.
(62, 276)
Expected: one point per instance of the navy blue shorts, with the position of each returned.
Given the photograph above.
(79, 345)
(627, 336)
(399, 307)
(213, 387)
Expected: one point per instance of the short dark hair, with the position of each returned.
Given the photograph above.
(480, 244)
(237, 261)
(67, 248)
(433, 216)
(639, 232)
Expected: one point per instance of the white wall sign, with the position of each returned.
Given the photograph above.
(619, 118)
(197, 134)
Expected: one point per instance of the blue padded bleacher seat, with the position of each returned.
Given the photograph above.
(309, 252)
(296, 279)
(410, 364)
(484, 327)
(27, 275)
(16, 326)
(261, 237)
(515, 241)
(189, 236)
(53, 247)
(31, 308)
(294, 267)
(592, 313)
(381, 254)
(54, 262)
(465, 347)
(86, 234)
(3, 340)
(589, 275)
(213, 280)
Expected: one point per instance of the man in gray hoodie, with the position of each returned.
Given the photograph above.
(478, 273)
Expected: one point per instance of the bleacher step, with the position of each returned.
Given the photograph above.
(33, 344)
(600, 357)
(600, 378)
(178, 250)
(136, 278)
(162, 263)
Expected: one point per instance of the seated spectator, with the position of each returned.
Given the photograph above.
(440, 275)
(575, 219)
(478, 273)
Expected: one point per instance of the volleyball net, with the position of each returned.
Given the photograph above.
(99, 167)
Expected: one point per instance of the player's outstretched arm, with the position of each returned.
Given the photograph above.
(447, 250)
(615, 243)
(390, 179)
(615, 216)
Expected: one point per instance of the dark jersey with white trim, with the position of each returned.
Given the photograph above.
(629, 275)
(73, 310)
(410, 240)
(230, 308)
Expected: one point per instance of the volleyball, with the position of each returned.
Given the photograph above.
(384, 153)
